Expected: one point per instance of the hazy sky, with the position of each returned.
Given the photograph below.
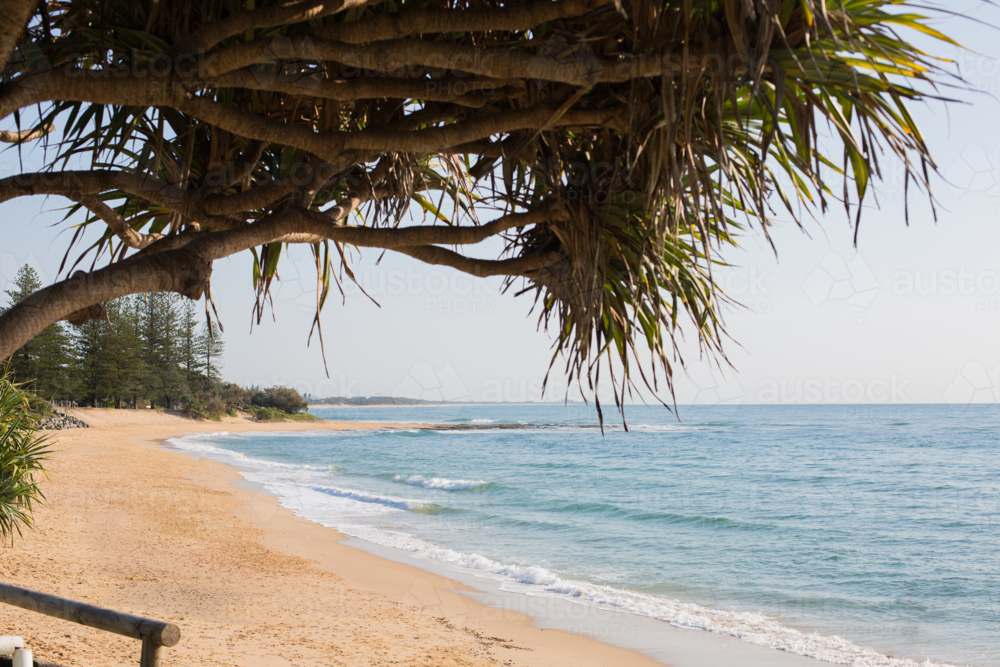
(911, 316)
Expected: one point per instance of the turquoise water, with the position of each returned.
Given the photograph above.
(845, 533)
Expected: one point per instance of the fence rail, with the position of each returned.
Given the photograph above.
(154, 634)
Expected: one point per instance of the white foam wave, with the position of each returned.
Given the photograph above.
(357, 513)
(440, 483)
(198, 444)
(748, 626)
(484, 421)
(655, 428)
(362, 497)
(534, 580)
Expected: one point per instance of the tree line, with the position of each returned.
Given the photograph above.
(151, 350)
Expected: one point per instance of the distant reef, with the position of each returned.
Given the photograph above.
(371, 400)
(341, 401)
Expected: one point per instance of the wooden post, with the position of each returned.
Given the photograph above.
(109, 620)
(152, 653)
(154, 634)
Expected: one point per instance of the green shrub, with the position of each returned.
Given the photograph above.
(22, 452)
(269, 415)
(212, 407)
(303, 417)
(40, 408)
(285, 399)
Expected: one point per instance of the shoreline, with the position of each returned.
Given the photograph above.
(507, 628)
(430, 591)
(655, 642)
(138, 527)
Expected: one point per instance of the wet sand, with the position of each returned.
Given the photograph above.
(137, 527)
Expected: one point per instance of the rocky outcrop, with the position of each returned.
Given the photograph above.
(59, 421)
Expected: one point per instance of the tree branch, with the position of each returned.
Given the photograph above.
(116, 223)
(522, 16)
(175, 271)
(582, 68)
(72, 184)
(399, 237)
(266, 17)
(329, 146)
(19, 137)
(14, 17)
(391, 56)
(464, 91)
(76, 184)
(481, 268)
(187, 269)
(253, 199)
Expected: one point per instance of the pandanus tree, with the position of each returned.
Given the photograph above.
(615, 147)
(23, 453)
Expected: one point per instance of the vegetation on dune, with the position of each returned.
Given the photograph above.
(22, 455)
(149, 349)
(43, 363)
(616, 149)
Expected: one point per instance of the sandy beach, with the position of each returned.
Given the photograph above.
(137, 527)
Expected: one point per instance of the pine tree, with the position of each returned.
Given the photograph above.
(93, 341)
(210, 349)
(129, 326)
(125, 351)
(45, 364)
(161, 351)
(149, 346)
(189, 340)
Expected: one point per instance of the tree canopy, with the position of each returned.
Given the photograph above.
(44, 363)
(149, 349)
(616, 147)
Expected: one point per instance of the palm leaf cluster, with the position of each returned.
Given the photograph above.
(22, 455)
(650, 133)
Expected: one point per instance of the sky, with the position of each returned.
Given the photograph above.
(912, 315)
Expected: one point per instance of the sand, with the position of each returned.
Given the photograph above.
(140, 528)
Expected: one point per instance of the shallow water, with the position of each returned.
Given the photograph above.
(844, 533)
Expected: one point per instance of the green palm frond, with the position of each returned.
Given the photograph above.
(727, 137)
(22, 455)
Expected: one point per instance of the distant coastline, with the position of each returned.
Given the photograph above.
(393, 402)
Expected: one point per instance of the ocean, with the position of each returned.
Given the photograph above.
(845, 533)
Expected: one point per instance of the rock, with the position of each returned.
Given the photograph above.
(59, 421)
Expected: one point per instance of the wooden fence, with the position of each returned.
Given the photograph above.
(155, 635)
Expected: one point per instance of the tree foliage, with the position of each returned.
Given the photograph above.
(22, 456)
(285, 399)
(209, 348)
(616, 148)
(44, 364)
(147, 348)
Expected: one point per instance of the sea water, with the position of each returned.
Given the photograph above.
(844, 533)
